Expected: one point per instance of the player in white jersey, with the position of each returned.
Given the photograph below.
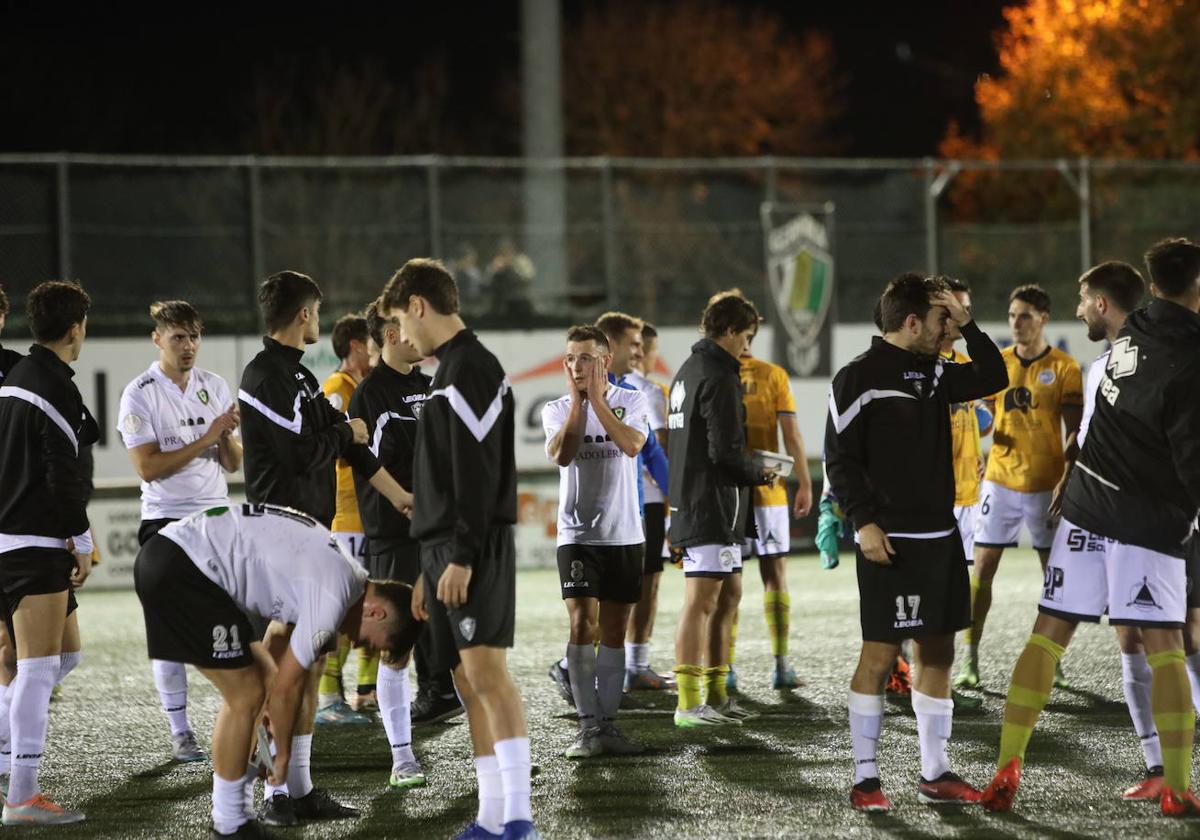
(594, 434)
(205, 581)
(178, 423)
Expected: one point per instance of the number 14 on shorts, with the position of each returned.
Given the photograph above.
(907, 607)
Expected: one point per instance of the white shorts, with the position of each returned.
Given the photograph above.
(1001, 512)
(774, 533)
(712, 560)
(967, 517)
(353, 544)
(1089, 575)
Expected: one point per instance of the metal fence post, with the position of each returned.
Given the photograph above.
(1085, 214)
(607, 217)
(434, 180)
(931, 220)
(254, 234)
(63, 192)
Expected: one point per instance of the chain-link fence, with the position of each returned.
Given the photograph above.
(655, 237)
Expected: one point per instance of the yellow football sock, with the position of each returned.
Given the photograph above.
(733, 638)
(1032, 679)
(777, 606)
(1174, 715)
(368, 669)
(331, 679)
(714, 685)
(690, 682)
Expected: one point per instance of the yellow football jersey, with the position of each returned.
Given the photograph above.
(339, 387)
(965, 445)
(766, 393)
(1027, 444)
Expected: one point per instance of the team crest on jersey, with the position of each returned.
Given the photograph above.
(467, 628)
(202, 395)
(1142, 598)
(619, 411)
(726, 558)
(918, 386)
(416, 409)
(132, 424)
(1046, 377)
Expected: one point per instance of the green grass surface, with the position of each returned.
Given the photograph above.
(785, 774)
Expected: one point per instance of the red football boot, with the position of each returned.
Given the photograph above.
(867, 795)
(947, 789)
(999, 795)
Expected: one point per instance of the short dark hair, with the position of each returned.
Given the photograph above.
(407, 630)
(1034, 295)
(1118, 281)
(649, 330)
(4, 304)
(728, 313)
(175, 313)
(953, 283)
(907, 294)
(421, 277)
(1174, 265)
(376, 323)
(282, 295)
(588, 332)
(616, 324)
(54, 307)
(352, 327)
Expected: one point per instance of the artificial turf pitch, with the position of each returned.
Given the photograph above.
(784, 774)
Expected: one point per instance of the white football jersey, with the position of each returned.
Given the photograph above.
(1094, 375)
(597, 492)
(656, 414)
(154, 410)
(276, 563)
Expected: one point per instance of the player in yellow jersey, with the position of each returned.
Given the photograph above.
(770, 410)
(350, 338)
(1044, 395)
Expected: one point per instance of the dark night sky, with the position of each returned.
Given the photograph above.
(127, 78)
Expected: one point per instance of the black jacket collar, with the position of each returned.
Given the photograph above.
(710, 348)
(291, 354)
(50, 359)
(460, 338)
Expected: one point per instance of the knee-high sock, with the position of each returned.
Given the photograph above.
(30, 717)
(1135, 680)
(1171, 700)
(690, 682)
(733, 638)
(491, 794)
(581, 666)
(69, 661)
(1193, 669)
(395, 707)
(368, 670)
(777, 607)
(5, 730)
(269, 789)
(935, 717)
(330, 686)
(1032, 679)
(866, 722)
(637, 656)
(228, 804)
(299, 775)
(610, 679)
(170, 678)
(715, 692)
(512, 757)
(981, 602)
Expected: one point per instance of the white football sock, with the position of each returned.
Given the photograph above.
(637, 657)
(866, 721)
(1135, 680)
(491, 794)
(610, 680)
(170, 678)
(512, 757)
(582, 670)
(5, 730)
(935, 718)
(30, 717)
(299, 777)
(269, 789)
(248, 781)
(394, 693)
(69, 661)
(228, 804)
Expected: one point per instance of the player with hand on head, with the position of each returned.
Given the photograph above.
(1044, 394)
(711, 473)
(912, 575)
(203, 582)
(1129, 510)
(45, 539)
(594, 435)
(178, 423)
(464, 507)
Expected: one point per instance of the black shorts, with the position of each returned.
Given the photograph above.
(395, 561)
(607, 572)
(925, 592)
(150, 527)
(34, 571)
(656, 532)
(188, 617)
(488, 617)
